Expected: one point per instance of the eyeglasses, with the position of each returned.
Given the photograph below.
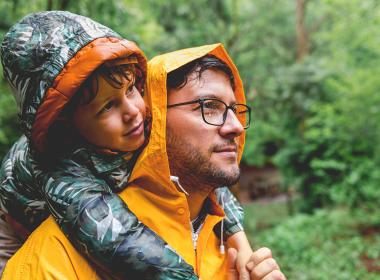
(214, 111)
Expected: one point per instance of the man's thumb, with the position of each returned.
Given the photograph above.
(231, 264)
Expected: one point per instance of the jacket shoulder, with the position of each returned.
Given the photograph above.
(64, 262)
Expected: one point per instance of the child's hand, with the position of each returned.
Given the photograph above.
(243, 252)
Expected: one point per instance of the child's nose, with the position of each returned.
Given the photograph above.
(130, 110)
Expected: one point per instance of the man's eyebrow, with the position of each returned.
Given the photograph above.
(210, 95)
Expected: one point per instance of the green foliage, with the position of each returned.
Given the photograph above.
(8, 119)
(318, 119)
(330, 244)
(341, 137)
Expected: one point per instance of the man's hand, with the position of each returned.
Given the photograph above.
(261, 266)
(232, 273)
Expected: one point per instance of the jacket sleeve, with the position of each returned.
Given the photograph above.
(101, 226)
(233, 222)
(20, 199)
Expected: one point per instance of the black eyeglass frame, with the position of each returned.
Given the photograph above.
(201, 101)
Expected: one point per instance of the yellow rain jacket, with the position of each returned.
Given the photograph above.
(152, 196)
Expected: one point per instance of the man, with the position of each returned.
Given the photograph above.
(193, 148)
(201, 99)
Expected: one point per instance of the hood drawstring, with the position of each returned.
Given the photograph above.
(175, 179)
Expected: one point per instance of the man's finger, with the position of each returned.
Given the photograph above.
(244, 274)
(275, 275)
(250, 265)
(231, 264)
(261, 254)
(241, 268)
(264, 268)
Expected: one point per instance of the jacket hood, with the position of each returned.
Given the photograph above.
(152, 196)
(153, 162)
(47, 56)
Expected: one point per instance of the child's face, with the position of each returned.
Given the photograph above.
(114, 119)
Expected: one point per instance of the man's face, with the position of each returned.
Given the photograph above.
(198, 151)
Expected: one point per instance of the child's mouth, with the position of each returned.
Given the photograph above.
(137, 130)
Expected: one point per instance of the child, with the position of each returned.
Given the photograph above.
(71, 162)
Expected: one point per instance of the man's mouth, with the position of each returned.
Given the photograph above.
(136, 130)
(226, 150)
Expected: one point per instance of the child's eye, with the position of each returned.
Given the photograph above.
(107, 107)
(130, 89)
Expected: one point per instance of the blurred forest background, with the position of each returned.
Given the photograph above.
(311, 70)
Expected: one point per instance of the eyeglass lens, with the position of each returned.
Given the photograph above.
(215, 111)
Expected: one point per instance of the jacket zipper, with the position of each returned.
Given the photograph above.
(195, 236)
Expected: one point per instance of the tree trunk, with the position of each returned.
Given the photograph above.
(49, 5)
(302, 35)
(64, 4)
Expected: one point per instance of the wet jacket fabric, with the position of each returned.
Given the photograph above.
(80, 191)
(152, 191)
(151, 195)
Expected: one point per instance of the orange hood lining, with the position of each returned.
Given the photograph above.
(75, 72)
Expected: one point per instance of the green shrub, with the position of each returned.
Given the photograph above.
(323, 246)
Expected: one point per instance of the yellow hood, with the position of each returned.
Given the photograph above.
(154, 161)
(152, 196)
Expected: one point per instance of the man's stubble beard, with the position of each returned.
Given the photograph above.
(194, 169)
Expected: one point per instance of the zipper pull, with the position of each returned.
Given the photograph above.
(195, 239)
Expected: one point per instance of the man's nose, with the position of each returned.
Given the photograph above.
(232, 126)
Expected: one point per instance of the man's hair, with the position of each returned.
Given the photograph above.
(178, 78)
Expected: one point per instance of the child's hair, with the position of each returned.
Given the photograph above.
(116, 76)
(62, 137)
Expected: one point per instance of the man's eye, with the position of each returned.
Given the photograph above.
(212, 105)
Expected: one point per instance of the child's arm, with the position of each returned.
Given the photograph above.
(22, 205)
(240, 242)
(102, 227)
(233, 228)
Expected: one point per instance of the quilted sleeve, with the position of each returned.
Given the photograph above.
(233, 222)
(19, 196)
